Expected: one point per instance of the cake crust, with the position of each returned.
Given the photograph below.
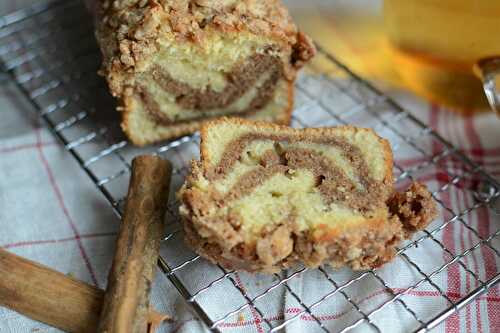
(389, 216)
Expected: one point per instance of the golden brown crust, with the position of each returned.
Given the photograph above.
(365, 244)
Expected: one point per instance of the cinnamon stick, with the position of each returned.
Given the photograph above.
(53, 298)
(126, 303)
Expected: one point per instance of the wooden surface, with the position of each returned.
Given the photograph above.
(126, 303)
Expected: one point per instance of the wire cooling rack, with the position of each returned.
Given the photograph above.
(49, 51)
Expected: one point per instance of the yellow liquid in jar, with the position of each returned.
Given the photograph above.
(435, 44)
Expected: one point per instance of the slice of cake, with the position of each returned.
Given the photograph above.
(264, 197)
(174, 63)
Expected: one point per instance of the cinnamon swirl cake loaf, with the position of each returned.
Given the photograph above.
(174, 63)
(264, 197)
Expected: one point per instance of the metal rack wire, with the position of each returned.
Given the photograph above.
(53, 60)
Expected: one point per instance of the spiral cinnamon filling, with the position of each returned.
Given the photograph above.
(363, 194)
(239, 81)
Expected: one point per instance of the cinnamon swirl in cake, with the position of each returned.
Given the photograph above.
(264, 197)
(174, 63)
